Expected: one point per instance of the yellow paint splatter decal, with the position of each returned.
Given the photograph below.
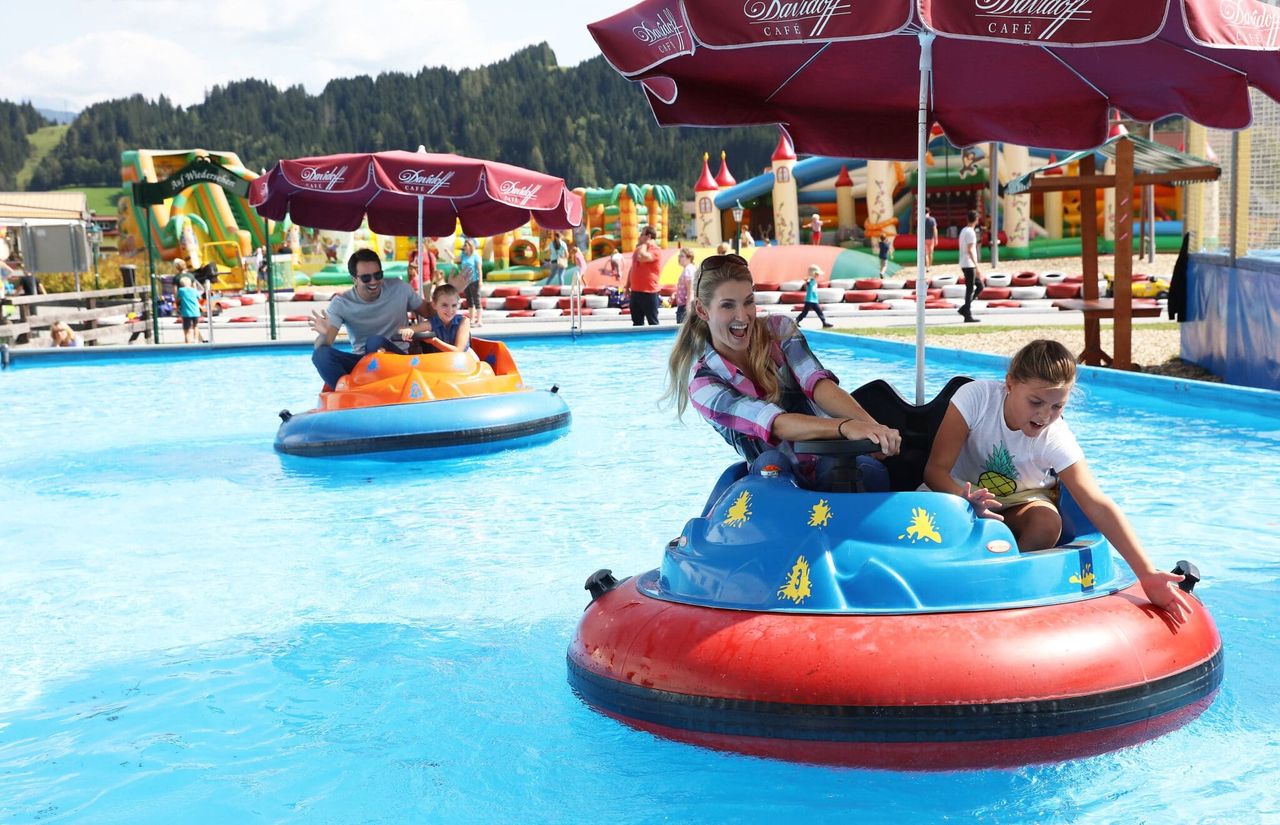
(921, 527)
(797, 588)
(739, 511)
(1085, 578)
(820, 514)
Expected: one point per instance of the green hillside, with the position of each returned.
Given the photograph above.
(42, 141)
(584, 123)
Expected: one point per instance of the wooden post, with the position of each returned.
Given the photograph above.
(1089, 261)
(1122, 286)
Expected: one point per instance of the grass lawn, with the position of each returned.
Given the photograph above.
(102, 199)
(42, 142)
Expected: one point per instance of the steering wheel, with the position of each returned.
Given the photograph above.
(838, 460)
(427, 337)
(836, 447)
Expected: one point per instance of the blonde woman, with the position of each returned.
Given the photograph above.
(64, 336)
(754, 378)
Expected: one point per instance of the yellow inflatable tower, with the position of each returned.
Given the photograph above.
(786, 205)
(707, 217)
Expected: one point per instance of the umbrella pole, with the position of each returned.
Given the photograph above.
(422, 262)
(922, 137)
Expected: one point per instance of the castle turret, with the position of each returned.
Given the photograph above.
(881, 183)
(1053, 205)
(706, 218)
(845, 214)
(1109, 194)
(786, 205)
(1015, 162)
(723, 178)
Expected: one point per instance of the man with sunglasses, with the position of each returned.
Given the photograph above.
(375, 313)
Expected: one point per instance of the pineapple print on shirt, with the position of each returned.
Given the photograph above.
(998, 473)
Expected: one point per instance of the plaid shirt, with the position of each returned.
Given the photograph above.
(730, 401)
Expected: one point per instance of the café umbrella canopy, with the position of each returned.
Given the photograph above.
(870, 79)
(413, 193)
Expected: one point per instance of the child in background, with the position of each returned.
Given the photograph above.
(815, 229)
(1003, 447)
(684, 284)
(811, 298)
(189, 309)
(885, 246)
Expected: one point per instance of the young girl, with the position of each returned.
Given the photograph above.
(450, 330)
(811, 298)
(1003, 446)
(684, 284)
(753, 378)
(470, 268)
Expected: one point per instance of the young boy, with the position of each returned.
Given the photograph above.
(811, 298)
(885, 246)
(189, 309)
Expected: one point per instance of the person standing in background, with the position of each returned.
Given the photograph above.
(969, 266)
(684, 285)
(642, 279)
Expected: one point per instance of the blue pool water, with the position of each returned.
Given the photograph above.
(194, 628)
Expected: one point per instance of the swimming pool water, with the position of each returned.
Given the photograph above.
(194, 628)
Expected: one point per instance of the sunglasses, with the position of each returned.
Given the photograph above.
(712, 262)
(370, 277)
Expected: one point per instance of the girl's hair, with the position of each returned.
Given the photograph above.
(1043, 360)
(443, 290)
(685, 252)
(58, 329)
(695, 334)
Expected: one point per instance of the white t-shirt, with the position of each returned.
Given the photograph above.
(1017, 459)
(968, 240)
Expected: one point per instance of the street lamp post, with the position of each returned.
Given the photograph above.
(737, 227)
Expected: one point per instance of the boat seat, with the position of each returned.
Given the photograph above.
(917, 424)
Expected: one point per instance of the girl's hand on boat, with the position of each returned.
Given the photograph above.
(889, 439)
(1163, 591)
(406, 333)
(983, 502)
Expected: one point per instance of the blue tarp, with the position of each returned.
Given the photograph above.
(1233, 320)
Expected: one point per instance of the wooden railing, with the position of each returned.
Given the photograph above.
(83, 311)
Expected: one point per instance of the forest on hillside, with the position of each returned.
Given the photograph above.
(584, 123)
(17, 121)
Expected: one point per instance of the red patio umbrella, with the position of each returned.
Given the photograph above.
(413, 193)
(867, 80)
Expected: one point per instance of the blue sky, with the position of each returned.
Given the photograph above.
(66, 55)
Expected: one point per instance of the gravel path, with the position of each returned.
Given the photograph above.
(1156, 346)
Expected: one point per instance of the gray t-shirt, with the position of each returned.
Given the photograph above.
(385, 316)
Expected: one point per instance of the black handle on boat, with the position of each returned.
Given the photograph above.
(285, 415)
(837, 446)
(1190, 575)
(600, 582)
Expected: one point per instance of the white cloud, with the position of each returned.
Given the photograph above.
(72, 54)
